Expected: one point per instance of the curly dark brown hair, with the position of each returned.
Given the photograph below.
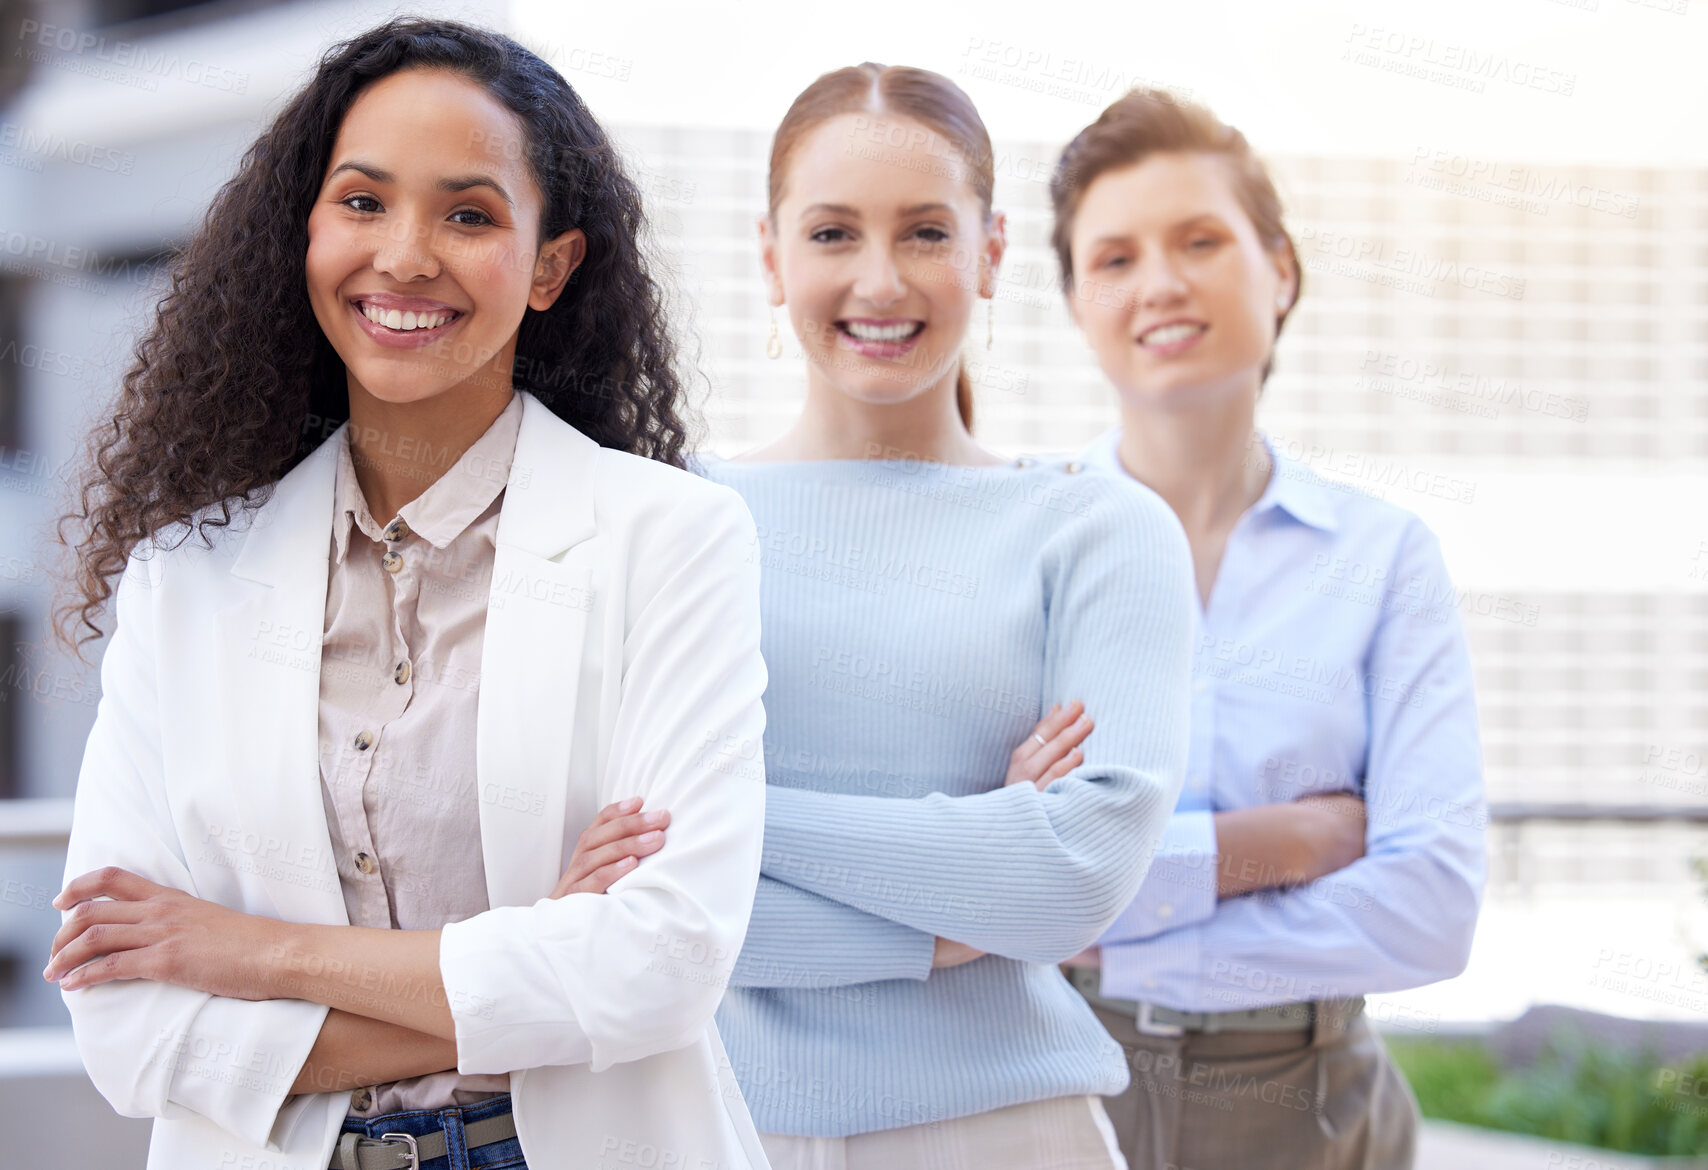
(235, 383)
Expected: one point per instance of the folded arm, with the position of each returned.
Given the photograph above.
(151, 1048)
(603, 978)
(1013, 871)
(1403, 914)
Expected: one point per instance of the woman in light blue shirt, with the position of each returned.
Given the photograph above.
(1328, 841)
(924, 602)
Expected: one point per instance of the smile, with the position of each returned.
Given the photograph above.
(404, 328)
(887, 331)
(404, 321)
(1164, 336)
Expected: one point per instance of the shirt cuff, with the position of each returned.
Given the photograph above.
(1180, 887)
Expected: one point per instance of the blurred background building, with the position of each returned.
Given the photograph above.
(1514, 349)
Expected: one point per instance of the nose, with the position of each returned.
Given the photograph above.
(878, 281)
(1158, 283)
(405, 251)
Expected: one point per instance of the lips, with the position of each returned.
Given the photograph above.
(403, 322)
(888, 338)
(1168, 338)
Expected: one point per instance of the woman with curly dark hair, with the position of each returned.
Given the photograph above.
(415, 606)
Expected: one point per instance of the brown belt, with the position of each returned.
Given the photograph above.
(1155, 1020)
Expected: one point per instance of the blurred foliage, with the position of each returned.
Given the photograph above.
(1577, 1091)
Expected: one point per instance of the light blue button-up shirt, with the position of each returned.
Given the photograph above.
(1331, 658)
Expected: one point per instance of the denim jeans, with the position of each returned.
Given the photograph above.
(504, 1155)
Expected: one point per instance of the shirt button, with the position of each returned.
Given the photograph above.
(1023, 461)
(391, 562)
(361, 1098)
(401, 674)
(365, 862)
(1150, 983)
(396, 530)
(1197, 782)
(1201, 685)
(1165, 911)
(364, 740)
(1071, 468)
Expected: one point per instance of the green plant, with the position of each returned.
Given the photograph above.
(1576, 1091)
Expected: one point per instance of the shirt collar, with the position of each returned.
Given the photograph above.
(450, 503)
(1298, 490)
(1293, 487)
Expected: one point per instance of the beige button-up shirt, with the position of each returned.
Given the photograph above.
(399, 680)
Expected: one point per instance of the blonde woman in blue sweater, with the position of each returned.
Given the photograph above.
(933, 617)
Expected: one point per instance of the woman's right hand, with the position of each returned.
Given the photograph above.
(612, 846)
(1062, 731)
(1333, 833)
(949, 953)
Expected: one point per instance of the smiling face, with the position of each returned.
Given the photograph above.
(423, 247)
(880, 252)
(1173, 288)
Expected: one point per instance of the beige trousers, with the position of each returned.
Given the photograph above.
(1328, 1100)
(1062, 1133)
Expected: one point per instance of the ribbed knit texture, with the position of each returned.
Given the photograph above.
(918, 619)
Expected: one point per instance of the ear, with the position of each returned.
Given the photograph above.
(995, 247)
(768, 261)
(559, 256)
(1287, 277)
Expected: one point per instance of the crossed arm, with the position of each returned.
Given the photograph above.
(123, 926)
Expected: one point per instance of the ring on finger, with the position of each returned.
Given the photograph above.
(1042, 742)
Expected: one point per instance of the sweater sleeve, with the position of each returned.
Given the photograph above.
(802, 940)
(1012, 871)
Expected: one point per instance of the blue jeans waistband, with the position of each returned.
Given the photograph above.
(452, 1119)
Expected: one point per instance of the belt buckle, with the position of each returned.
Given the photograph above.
(408, 1140)
(1149, 1027)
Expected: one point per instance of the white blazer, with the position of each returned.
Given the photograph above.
(621, 658)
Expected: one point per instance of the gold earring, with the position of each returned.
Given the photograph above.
(774, 345)
(990, 323)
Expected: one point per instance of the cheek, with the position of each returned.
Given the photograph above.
(1106, 327)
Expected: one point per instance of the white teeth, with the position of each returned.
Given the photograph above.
(402, 321)
(881, 332)
(1169, 334)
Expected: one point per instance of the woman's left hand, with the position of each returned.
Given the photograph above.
(150, 931)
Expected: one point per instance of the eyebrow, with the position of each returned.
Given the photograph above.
(1189, 222)
(449, 183)
(844, 209)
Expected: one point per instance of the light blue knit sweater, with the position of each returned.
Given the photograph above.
(918, 619)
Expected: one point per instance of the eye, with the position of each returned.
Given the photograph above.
(1112, 262)
(351, 201)
(482, 219)
(933, 235)
(1203, 243)
(828, 235)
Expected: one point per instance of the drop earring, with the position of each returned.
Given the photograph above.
(774, 344)
(990, 322)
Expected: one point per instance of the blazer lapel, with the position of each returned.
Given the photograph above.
(538, 608)
(536, 623)
(268, 662)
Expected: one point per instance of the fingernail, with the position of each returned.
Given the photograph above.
(625, 863)
(1056, 708)
(653, 818)
(630, 804)
(649, 838)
